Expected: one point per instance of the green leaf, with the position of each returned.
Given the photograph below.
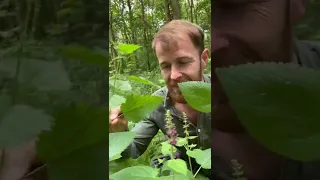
(136, 173)
(22, 123)
(181, 141)
(195, 153)
(167, 148)
(116, 100)
(85, 54)
(178, 165)
(142, 80)
(115, 157)
(76, 127)
(201, 177)
(175, 177)
(119, 164)
(192, 146)
(128, 48)
(43, 75)
(137, 107)
(203, 158)
(192, 137)
(118, 142)
(90, 162)
(276, 103)
(121, 85)
(197, 94)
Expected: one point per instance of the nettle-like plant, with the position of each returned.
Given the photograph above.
(278, 105)
(136, 108)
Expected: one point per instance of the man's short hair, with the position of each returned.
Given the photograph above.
(168, 35)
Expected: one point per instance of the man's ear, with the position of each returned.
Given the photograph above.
(297, 10)
(205, 55)
(204, 58)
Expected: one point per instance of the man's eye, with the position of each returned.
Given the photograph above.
(164, 67)
(183, 63)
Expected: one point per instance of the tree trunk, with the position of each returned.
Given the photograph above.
(112, 37)
(195, 12)
(167, 10)
(176, 12)
(125, 28)
(192, 10)
(144, 20)
(132, 26)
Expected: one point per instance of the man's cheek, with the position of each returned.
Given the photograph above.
(165, 76)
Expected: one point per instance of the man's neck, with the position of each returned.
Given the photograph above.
(191, 113)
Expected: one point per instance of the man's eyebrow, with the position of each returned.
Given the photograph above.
(184, 58)
(178, 59)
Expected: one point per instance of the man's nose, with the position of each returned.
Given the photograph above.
(175, 74)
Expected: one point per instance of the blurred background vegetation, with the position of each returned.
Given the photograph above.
(32, 31)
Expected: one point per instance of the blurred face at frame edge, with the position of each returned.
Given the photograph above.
(246, 31)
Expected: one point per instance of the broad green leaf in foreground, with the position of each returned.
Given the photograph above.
(22, 123)
(136, 173)
(120, 84)
(178, 165)
(181, 141)
(197, 94)
(116, 100)
(201, 177)
(75, 128)
(167, 148)
(142, 80)
(203, 157)
(137, 107)
(175, 177)
(278, 105)
(118, 142)
(90, 162)
(43, 75)
(128, 48)
(85, 54)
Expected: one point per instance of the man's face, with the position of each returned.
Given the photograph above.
(180, 64)
(248, 31)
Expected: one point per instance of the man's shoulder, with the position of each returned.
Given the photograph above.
(309, 53)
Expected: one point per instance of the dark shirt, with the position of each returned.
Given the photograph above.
(148, 128)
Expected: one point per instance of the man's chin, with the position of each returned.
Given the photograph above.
(178, 98)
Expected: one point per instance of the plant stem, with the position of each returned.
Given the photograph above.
(189, 158)
(172, 152)
(197, 172)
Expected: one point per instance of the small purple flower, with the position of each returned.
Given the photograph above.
(173, 132)
(167, 138)
(173, 141)
(177, 155)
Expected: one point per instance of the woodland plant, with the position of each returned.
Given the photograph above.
(177, 167)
